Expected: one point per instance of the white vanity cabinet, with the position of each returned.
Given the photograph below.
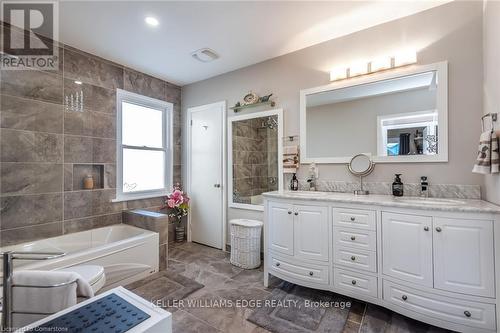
(281, 230)
(464, 256)
(407, 247)
(434, 265)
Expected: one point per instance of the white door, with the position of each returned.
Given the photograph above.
(463, 256)
(311, 232)
(280, 219)
(206, 174)
(407, 247)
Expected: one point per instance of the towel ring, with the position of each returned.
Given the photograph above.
(493, 117)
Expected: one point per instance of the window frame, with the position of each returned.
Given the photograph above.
(167, 138)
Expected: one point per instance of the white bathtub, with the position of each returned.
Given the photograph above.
(127, 253)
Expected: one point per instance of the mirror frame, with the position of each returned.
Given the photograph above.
(441, 105)
(230, 120)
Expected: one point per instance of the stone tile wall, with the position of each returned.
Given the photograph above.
(46, 149)
(254, 159)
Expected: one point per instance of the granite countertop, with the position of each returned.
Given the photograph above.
(438, 204)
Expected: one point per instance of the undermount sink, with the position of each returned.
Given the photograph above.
(432, 201)
(309, 193)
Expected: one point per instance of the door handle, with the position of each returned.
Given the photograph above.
(217, 185)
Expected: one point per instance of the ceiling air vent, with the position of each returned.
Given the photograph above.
(205, 55)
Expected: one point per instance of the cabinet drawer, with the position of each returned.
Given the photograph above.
(355, 258)
(473, 314)
(355, 238)
(306, 272)
(354, 218)
(355, 282)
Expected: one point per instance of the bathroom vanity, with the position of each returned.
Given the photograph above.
(434, 260)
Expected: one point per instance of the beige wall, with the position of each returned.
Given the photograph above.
(450, 32)
(491, 57)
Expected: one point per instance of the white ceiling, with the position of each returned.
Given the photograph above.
(242, 33)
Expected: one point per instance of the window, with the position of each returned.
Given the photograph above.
(144, 152)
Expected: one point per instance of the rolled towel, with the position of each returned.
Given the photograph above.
(45, 300)
(488, 157)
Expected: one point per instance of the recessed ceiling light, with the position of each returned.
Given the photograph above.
(151, 21)
(205, 55)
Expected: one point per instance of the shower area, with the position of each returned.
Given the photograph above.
(255, 158)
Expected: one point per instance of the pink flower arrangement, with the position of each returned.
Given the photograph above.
(177, 203)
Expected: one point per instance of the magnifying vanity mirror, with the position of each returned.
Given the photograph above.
(361, 165)
(394, 116)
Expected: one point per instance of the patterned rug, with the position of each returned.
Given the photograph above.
(293, 309)
(164, 287)
(380, 320)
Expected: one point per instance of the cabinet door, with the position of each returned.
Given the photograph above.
(280, 219)
(464, 256)
(311, 232)
(407, 247)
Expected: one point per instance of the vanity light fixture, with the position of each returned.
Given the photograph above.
(380, 64)
(405, 58)
(339, 73)
(78, 82)
(358, 68)
(376, 65)
(151, 21)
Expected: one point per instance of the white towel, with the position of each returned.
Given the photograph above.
(488, 157)
(45, 300)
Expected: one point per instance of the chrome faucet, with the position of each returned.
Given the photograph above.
(312, 183)
(424, 187)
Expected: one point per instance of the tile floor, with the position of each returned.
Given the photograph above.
(224, 282)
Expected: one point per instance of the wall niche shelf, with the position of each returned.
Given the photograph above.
(242, 107)
(80, 171)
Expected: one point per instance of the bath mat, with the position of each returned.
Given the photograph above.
(164, 288)
(293, 309)
(380, 320)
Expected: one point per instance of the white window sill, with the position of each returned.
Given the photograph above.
(139, 196)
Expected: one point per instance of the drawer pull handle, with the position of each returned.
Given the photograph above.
(353, 238)
(296, 213)
(438, 229)
(467, 314)
(426, 228)
(353, 218)
(353, 258)
(289, 213)
(311, 273)
(277, 264)
(353, 282)
(404, 297)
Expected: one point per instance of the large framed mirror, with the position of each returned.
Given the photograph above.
(255, 148)
(395, 116)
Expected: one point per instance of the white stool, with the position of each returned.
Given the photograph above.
(245, 243)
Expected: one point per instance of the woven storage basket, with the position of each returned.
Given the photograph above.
(245, 243)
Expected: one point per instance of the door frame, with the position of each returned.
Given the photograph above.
(190, 111)
(268, 113)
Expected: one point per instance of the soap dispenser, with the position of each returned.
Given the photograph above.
(397, 186)
(294, 183)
